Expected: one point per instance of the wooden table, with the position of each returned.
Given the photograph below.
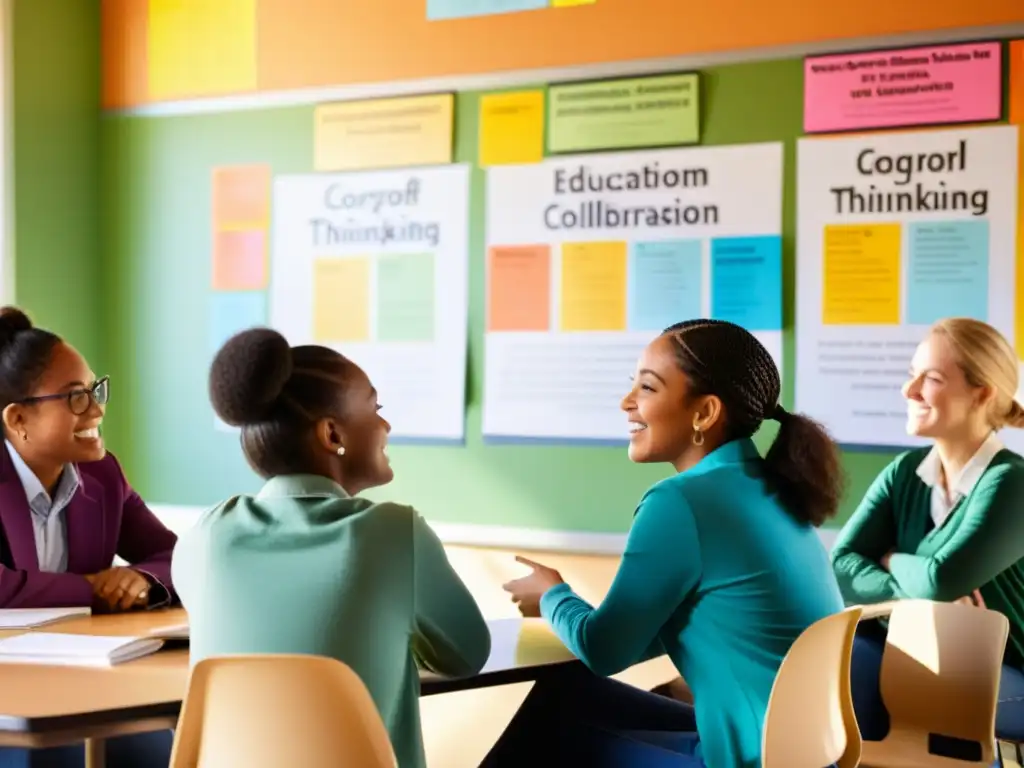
(47, 706)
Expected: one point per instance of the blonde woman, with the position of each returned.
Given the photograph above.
(945, 522)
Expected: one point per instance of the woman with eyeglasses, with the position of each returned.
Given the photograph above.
(66, 508)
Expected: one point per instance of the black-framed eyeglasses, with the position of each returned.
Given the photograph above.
(79, 400)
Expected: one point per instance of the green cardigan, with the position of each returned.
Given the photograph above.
(980, 545)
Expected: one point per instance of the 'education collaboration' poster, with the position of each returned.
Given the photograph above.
(590, 256)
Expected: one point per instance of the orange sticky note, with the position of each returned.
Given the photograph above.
(519, 288)
(241, 197)
(240, 260)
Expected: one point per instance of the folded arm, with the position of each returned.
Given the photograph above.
(988, 540)
(450, 636)
(660, 568)
(867, 537)
(41, 589)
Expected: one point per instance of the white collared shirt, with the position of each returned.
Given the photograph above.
(48, 522)
(930, 472)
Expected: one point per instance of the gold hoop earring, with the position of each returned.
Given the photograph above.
(698, 436)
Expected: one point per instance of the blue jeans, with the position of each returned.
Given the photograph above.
(867, 695)
(573, 717)
(143, 750)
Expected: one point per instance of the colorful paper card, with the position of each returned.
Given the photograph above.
(456, 9)
(1017, 118)
(948, 271)
(384, 133)
(240, 260)
(861, 274)
(241, 197)
(234, 312)
(405, 297)
(665, 283)
(519, 288)
(593, 286)
(746, 281)
(341, 300)
(511, 128)
(200, 48)
(934, 85)
(626, 113)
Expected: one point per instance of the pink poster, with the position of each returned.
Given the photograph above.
(937, 85)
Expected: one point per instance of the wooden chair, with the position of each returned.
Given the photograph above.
(939, 678)
(268, 711)
(810, 721)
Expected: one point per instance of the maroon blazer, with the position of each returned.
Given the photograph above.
(105, 518)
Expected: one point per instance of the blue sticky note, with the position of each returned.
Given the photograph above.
(232, 312)
(665, 283)
(948, 271)
(746, 281)
(457, 9)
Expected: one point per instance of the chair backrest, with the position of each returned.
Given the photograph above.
(941, 669)
(266, 711)
(810, 721)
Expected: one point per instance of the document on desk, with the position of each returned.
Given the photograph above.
(29, 618)
(75, 650)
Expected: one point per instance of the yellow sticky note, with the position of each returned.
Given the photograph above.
(512, 128)
(201, 48)
(567, 3)
(384, 133)
(341, 299)
(861, 274)
(593, 287)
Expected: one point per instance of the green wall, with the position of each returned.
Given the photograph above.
(156, 237)
(56, 100)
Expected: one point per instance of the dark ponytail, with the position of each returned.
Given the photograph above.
(802, 466)
(804, 469)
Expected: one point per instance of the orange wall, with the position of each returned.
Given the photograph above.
(303, 43)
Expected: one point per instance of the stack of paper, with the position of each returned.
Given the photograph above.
(75, 650)
(28, 618)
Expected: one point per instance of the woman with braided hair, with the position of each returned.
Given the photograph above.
(722, 568)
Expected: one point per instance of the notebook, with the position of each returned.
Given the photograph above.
(75, 650)
(29, 618)
(173, 632)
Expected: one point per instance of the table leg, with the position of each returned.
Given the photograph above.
(95, 753)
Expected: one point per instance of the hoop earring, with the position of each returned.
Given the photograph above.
(698, 436)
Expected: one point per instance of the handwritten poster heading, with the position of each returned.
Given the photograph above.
(937, 85)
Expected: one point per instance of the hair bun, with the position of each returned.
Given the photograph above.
(12, 321)
(248, 375)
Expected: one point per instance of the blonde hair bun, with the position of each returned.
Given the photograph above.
(987, 360)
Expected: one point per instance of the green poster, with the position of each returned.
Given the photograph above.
(659, 111)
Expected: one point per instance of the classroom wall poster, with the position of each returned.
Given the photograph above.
(591, 256)
(896, 231)
(375, 265)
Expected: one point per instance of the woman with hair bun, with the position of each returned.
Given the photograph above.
(66, 509)
(722, 568)
(945, 522)
(306, 565)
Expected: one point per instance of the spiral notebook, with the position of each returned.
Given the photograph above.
(75, 650)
